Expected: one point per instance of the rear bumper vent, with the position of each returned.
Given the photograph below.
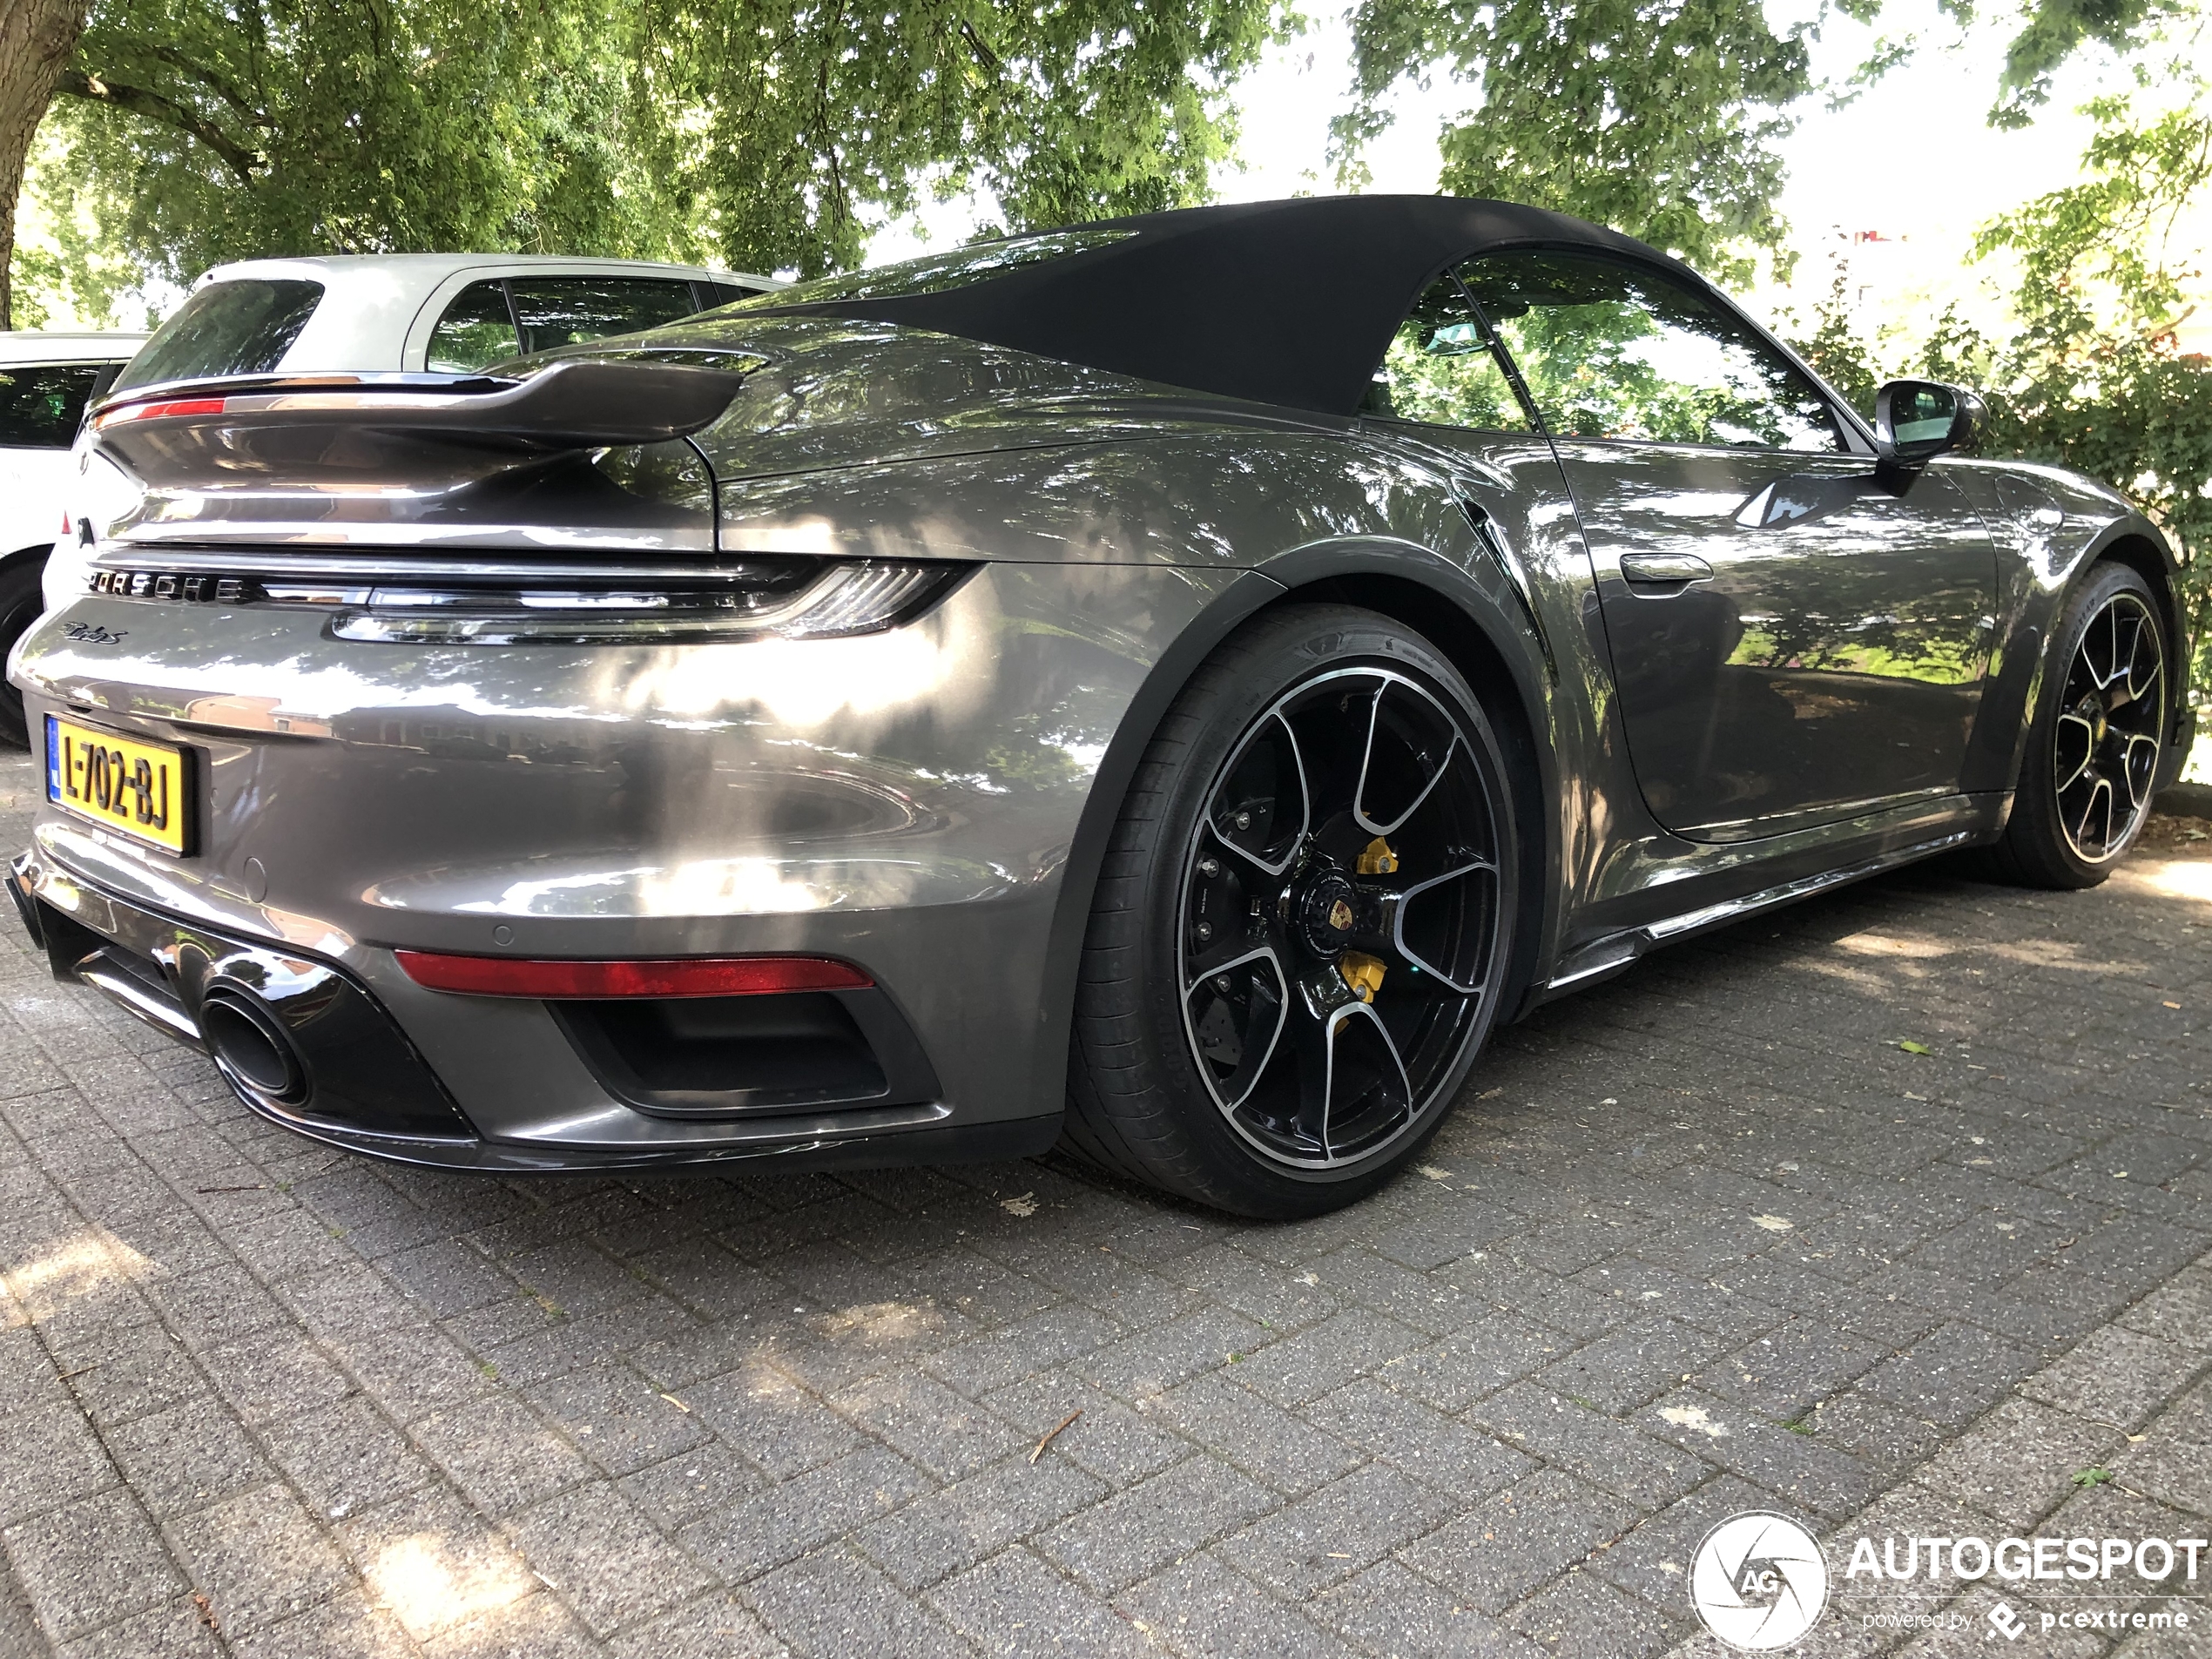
(744, 1056)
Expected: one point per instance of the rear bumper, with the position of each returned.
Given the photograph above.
(357, 1080)
(905, 801)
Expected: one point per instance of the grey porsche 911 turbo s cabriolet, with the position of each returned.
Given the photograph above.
(1169, 686)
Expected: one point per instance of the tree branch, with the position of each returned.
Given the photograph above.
(215, 83)
(984, 55)
(169, 113)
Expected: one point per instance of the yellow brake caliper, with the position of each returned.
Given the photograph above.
(1362, 973)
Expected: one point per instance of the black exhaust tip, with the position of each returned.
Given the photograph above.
(251, 1045)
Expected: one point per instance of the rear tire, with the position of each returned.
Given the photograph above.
(21, 602)
(2097, 741)
(1271, 1020)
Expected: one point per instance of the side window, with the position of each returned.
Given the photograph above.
(567, 311)
(1439, 368)
(1610, 350)
(40, 406)
(476, 331)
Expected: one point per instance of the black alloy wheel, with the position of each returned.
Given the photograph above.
(2094, 751)
(1302, 939)
(20, 601)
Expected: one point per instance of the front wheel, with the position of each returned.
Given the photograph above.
(1300, 937)
(2098, 738)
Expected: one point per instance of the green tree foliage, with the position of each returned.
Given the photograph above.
(2049, 34)
(764, 133)
(2095, 379)
(2091, 376)
(205, 130)
(790, 120)
(2052, 31)
(1659, 120)
(1837, 351)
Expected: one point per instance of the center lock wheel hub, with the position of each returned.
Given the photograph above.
(1326, 915)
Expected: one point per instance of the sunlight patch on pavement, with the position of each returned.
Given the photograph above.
(884, 1322)
(1696, 1417)
(2171, 878)
(85, 1266)
(2056, 952)
(1886, 945)
(428, 1590)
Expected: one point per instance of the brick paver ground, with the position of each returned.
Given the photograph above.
(1703, 1240)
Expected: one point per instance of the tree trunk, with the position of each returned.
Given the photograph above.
(35, 39)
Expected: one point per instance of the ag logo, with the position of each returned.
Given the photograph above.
(1758, 1580)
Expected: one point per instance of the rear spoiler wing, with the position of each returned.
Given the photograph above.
(572, 403)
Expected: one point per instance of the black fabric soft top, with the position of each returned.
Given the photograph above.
(1285, 302)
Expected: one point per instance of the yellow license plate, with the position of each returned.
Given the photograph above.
(142, 789)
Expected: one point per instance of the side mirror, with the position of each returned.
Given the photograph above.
(1916, 421)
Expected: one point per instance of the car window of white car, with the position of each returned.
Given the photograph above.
(41, 404)
(477, 329)
(243, 325)
(1440, 369)
(491, 321)
(1613, 351)
(567, 311)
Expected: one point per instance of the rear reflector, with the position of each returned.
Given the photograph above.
(591, 982)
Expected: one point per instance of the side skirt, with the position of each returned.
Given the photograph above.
(1602, 958)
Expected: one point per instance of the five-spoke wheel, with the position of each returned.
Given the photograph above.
(1305, 933)
(1339, 915)
(2111, 724)
(2098, 738)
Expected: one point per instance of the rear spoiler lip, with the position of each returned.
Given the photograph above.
(572, 403)
(256, 384)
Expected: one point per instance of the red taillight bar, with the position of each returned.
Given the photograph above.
(174, 408)
(591, 981)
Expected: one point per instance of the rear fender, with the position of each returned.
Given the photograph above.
(1394, 576)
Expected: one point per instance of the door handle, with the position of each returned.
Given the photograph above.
(1667, 569)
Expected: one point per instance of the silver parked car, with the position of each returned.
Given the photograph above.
(449, 313)
(1174, 685)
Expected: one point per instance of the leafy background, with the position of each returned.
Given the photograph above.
(789, 135)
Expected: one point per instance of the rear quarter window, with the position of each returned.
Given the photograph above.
(569, 311)
(478, 329)
(506, 317)
(241, 326)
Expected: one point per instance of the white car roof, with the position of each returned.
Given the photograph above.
(421, 274)
(372, 312)
(61, 346)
